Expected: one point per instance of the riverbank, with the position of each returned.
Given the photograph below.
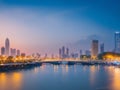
(83, 62)
(16, 66)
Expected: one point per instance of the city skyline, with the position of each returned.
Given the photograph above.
(59, 44)
(42, 27)
(7, 50)
(95, 49)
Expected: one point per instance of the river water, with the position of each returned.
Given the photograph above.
(62, 77)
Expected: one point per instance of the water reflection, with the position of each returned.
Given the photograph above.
(10, 81)
(55, 67)
(43, 67)
(92, 74)
(116, 79)
(62, 77)
(65, 69)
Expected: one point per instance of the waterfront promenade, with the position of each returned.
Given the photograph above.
(83, 62)
(15, 66)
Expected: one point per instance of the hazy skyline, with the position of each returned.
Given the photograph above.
(45, 25)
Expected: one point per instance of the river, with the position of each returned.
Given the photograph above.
(62, 77)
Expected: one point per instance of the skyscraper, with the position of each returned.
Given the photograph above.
(3, 51)
(117, 42)
(60, 53)
(94, 49)
(63, 52)
(7, 47)
(87, 53)
(18, 52)
(81, 52)
(67, 52)
(13, 52)
(102, 48)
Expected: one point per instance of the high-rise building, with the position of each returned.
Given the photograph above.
(7, 47)
(87, 52)
(117, 42)
(94, 49)
(74, 55)
(67, 52)
(18, 52)
(13, 52)
(2, 50)
(81, 52)
(60, 53)
(63, 52)
(102, 48)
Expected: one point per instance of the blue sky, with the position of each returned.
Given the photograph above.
(45, 25)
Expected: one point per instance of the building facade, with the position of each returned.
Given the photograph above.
(7, 47)
(117, 42)
(18, 52)
(94, 49)
(102, 48)
(2, 50)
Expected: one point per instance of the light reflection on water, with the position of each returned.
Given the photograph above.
(115, 83)
(10, 81)
(62, 77)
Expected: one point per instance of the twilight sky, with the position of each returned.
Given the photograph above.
(45, 25)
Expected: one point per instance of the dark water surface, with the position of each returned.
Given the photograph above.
(62, 77)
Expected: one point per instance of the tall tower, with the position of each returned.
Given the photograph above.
(117, 42)
(67, 52)
(7, 47)
(102, 48)
(18, 52)
(94, 49)
(63, 52)
(60, 53)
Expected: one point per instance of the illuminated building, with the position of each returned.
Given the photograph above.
(67, 52)
(117, 42)
(13, 52)
(18, 52)
(23, 54)
(94, 49)
(7, 47)
(3, 51)
(63, 52)
(110, 56)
